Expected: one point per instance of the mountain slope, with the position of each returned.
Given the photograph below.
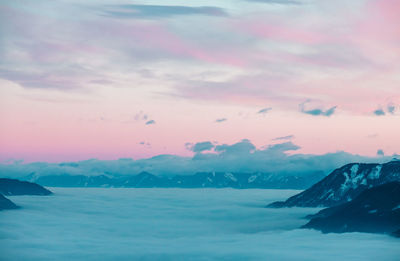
(375, 210)
(5, 203)
(344, 184)
(17, 187)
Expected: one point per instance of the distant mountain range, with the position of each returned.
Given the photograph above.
(375, 210)
(360, 197)
(343, 185)
(198, 180)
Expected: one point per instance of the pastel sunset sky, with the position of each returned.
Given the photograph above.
(113, 79)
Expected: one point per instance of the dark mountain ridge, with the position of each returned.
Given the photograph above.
(343, 185)
(5, 203)
(375, 210)
(12, 187)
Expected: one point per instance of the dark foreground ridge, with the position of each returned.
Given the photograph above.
(198, 180)
(375, 210)
(12, 187)
(343, 185)
(5, 203)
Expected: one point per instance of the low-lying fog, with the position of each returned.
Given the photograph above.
(173, 224)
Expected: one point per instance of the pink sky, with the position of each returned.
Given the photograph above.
(89, 81)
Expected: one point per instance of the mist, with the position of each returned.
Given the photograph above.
(174, 224)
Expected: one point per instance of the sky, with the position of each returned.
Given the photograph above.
(135, 79)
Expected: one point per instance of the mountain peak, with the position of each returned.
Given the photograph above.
(344, 184)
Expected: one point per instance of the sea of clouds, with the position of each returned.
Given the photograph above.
(173, 224)
(241, 157)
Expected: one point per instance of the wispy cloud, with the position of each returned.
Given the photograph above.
(140, 116)
(281, 2)
(150, 122)
(157, 11)
(221, 120)
(317, 112)
(289, 137)
(264, 111)
(145, 144)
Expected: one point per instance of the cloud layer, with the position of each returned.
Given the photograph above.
(240, 157)
(174, 224)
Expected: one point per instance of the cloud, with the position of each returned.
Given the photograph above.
(202, 146)
(317, 112)
(145, 144)
(379, 112)
(240, 157)
(283, 147)
(221, 120)
(264, 111)
(157, 11)
(68, 80)
(391, 108)
(242, 147)
(140, 116)
(174, 224)
(289, 137)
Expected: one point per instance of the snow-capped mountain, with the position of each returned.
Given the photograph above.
(375, 210)
(198, 180)
(344, 184)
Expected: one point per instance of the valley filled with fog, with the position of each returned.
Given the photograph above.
(174, 224)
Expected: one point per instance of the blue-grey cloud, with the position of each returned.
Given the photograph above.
(154, 11)
(202, 146)
(379, 112)
(288, 137)
(241, 157)
(317, 112)
(150, 122)
(221, 120)
(244, 146)
(145, 144)
(283, 147)
(264, 110)
(391, 108)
